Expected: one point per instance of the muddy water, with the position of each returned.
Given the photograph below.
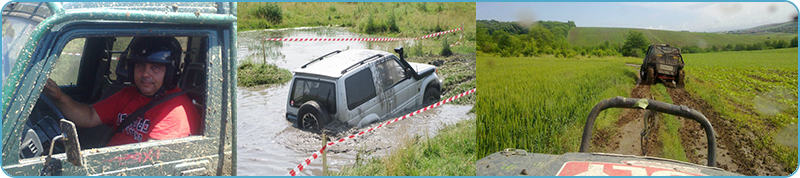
(268, 144)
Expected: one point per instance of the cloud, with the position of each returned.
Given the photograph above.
(720, 16)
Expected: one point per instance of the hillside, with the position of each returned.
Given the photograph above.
(785, 27)
(592, 36)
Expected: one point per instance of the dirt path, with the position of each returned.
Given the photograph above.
(744, 157)
(628, 139)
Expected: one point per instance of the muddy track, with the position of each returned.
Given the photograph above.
(631, 133)
(744, 157)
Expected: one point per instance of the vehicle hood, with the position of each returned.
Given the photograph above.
(421, 68)
(519, 162)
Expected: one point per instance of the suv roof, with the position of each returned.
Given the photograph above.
(666, 49)
(334, 65)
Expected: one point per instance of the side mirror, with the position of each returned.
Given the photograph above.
(71, 143)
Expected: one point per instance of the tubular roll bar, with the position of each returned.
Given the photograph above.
(636, 103)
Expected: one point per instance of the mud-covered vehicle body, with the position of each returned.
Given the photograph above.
(665, 63)
(515, 162)
(82, 46)
(358, 87)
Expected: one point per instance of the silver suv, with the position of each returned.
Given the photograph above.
(358, 87)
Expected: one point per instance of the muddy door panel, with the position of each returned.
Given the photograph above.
(171, 157)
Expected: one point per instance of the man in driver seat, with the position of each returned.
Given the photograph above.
(154, 61)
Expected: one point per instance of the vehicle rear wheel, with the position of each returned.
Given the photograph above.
(651, 76)
(679, 82)
(312, 116)
(432, 95)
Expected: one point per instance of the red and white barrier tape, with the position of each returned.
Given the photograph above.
(316, 155)
(79, 54)
(362, 39)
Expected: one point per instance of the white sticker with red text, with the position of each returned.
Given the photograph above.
(581, 168)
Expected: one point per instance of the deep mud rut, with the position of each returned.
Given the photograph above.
(744, 157)
(736, 148)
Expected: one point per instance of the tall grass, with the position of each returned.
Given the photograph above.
(541, 104)
(668, 132)
(757, 90)
(405, 19)
(450, 153)
(252, 74)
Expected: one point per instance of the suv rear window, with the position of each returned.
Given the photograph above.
(360, 88)
(323, 92)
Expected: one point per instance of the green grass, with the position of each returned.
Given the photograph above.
(252, 74)
(593, 36)
(450, 153)
(457, 75)
(541, 104)
(757, 90)
(668, 132)
(412, 18)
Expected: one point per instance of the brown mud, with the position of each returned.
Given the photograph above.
(744, 156)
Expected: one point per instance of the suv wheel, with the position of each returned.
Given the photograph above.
(679, 82)
(312, 116)
(651, 76)
(432, 95)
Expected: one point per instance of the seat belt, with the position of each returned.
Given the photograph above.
(139, 112)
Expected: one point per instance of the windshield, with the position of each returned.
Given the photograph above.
(16, 32)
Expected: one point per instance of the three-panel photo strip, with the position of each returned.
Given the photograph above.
(399, 89)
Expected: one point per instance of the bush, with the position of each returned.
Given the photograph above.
(446, 48)
(252, 74)
(392, 23)
(271, 12)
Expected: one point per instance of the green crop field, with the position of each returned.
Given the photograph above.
(756, 89)
(540, 104)
(593, 36)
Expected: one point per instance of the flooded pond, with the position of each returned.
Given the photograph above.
(269, 145)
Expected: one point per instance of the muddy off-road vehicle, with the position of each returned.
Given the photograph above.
(515, 162)
(358, 87)
(83, 47)
(664, 63)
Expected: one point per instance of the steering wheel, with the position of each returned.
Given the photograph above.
(52, 106)
(43, 127)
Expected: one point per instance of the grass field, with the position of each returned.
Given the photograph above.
(593, 36)
(756, 89)
(450, 153)
(412, 18)
(540, 104)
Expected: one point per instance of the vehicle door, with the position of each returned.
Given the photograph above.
(397, 85)
(52, 60)
(362, 95)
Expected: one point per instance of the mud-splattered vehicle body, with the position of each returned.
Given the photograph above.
(358, 87)
(515, 162)
(82, 47)
(664, 63)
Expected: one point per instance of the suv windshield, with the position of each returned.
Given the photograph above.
(305, 90)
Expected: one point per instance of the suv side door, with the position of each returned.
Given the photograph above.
(362, 97)
(396, 84)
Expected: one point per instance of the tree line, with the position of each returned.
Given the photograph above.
(510, 39)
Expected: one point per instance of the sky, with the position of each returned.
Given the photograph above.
(675, 16)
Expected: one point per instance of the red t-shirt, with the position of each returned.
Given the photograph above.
(175, 118)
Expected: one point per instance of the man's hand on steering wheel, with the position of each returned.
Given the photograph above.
(52, 90)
